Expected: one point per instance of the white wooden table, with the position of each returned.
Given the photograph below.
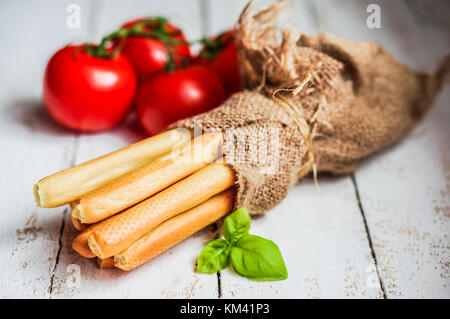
(382, 232)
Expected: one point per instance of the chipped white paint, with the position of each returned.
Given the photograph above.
(404, 190)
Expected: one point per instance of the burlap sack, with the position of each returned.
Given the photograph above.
(359, 100)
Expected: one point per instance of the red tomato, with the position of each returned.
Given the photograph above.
(222, 58)
(149, 56)
(86, 93)
(169, 97)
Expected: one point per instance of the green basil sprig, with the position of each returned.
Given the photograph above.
(250, 256)
(214, 257)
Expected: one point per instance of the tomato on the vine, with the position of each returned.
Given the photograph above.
(220, 55)
(88, 93)
(149, 55)
(169, 97)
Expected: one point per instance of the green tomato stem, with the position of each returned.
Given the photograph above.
(158, 31)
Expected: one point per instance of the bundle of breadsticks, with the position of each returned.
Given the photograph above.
(135, 203)
(311, 104)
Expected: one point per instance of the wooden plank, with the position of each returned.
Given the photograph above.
(405, 189)
(321, 234)
(32, 144)
(170, 275)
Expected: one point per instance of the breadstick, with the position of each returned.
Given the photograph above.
(72, 183)
(147, 180)
(121, 230)
(80, 243)
(105, 263)
(175, 230)
(78, 225)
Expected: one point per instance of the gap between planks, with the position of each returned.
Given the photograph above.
(75, 148)
(60, 246)
(369, 238)
(205, 9)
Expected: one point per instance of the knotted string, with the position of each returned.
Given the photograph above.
(297, 116)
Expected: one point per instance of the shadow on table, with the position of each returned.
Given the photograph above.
(32, 115)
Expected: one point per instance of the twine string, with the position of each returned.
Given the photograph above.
(297, 116)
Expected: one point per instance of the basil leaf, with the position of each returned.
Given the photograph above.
(257, 258)
(236, 225)
(214, 257)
